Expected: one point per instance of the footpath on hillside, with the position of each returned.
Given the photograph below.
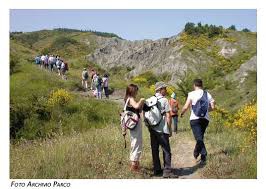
(182, 144)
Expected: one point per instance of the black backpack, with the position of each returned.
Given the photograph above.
(200, 109)
(86, 75)
(99, 82)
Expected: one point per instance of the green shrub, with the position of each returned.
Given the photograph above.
(199, 29)
(232, 27)
(14, 63)
(246, 30)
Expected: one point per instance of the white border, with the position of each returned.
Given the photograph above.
(135, 4)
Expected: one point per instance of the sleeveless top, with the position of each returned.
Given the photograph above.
(132, 109)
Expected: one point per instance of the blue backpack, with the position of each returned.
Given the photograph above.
(200, 109)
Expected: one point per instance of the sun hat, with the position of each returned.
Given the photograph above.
(160, 85)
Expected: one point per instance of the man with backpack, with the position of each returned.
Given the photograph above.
(58, 65)
(51, 62)
(84, 79)
(46, 62)
(201, 102)
(42, 61)
(98, 85)
(160, 131)
(38, 60)
(105, 85)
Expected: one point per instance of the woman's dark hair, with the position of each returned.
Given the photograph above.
(131, 91)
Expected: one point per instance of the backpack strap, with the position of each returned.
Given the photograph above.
(125, 107)
(158, 98)
(205, 93)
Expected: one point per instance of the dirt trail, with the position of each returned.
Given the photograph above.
(117, 96)
(183, 162)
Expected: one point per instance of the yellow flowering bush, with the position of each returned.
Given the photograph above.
(246, 119)
(195, 42)
(231, 39)
(59, 97)
(140, 80)
(152, 88)
(218, 116)
(170, 90)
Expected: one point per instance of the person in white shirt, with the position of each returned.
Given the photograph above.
(42, 61)
(105, 85)
(201, 102)
(84, 79)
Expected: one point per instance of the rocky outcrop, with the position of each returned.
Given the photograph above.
(163, 55)
(249, 66)
(160, 56)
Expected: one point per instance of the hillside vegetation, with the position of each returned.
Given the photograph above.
(55, 132)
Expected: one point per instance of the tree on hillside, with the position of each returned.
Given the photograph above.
(185, 83)
(189, 28)
(214, 30)
(199, 29)
(232, 27)
(246, 30)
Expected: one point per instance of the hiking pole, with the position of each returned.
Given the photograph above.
(125, 141)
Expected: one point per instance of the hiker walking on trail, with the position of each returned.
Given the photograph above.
(58, 65)
(46, 62)
(51, 62)
(160, 133)
(174, 111)
(64, 69)
(84, 79)
(42, 61)
(201, 102)
(38, 60)
(134, 106)
(98, 85)
(93, 78)
(105, 85)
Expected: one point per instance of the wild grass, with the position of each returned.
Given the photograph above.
(226, 158)
(100, 153)
(96, 153)
(32, 117)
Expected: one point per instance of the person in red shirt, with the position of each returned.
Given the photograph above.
(174, 111)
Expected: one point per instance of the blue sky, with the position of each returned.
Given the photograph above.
(130, 24)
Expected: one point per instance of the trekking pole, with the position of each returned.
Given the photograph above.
(125, 141)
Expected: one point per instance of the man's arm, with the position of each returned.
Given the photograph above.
(212, 106)
(169, 122)
(186, 106)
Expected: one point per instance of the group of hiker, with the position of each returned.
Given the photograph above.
(53, 63)
(159, 113)
(57, 64)
(98, 84)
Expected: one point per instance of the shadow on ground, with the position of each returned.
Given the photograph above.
(185, 171)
